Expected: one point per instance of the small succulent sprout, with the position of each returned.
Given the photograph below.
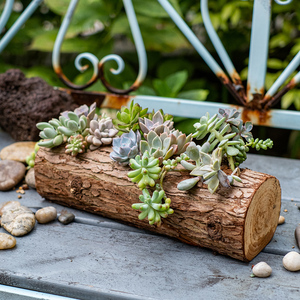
(31, 158)
(145, 170)
(128, 118)
(171, 164)
(152, 206)
(125, 147)
(159, 146)
(101, 133)
(76, 144)
(156, 124)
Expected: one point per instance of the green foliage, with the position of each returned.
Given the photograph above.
(152, 207)
(146, 170)
(128, 118)
(31, 158)
(76, 144)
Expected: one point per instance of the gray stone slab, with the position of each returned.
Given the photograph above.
(284, 239)
(89, 262)
(286, 170)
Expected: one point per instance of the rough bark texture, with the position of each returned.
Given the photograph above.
(238, 221)
(25, 102)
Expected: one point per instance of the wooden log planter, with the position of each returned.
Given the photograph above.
(238, 221)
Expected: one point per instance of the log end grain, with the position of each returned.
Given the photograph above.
(262, 217)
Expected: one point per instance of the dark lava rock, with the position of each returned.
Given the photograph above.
(11, 173)
(25, 102)
(66, 218)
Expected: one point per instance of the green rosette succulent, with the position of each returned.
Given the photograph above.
(152, 207)
(76, 144)
(128, 118)
(145, 170)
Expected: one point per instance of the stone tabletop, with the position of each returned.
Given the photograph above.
(97, 258)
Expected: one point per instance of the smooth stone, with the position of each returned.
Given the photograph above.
(281, 220)
(11, 173)
(297, 235)
(262, 270)
(30, 178)
(66, 218)
(18, 221)
(291, 261)
(7, 241)
(17, 151)
(46, 214)
(9, 205)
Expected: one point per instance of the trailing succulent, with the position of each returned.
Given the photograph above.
(149, 144)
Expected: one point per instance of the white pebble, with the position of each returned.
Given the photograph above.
(262, 269)
(281, 220)
(7, 241)
(46, 214)
(291, 261)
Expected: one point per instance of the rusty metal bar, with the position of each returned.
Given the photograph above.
(258, 49)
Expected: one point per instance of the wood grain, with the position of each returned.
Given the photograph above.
(238, 221)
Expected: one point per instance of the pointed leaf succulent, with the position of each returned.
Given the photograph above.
(128, 118)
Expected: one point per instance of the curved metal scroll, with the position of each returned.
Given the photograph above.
(98, 66)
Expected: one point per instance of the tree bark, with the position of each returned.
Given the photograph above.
(238, 221)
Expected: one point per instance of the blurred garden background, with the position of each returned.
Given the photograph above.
(175, 69)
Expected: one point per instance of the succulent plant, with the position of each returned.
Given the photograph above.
(156, 124)
(84, 110)
(260, 144)
(56, 132)
(125, 147)
(159, 146)
(101, 133)
(127, 119)
(152, 207)
(31, 158)
(146, 170)
(181, 140)
(208, 167)
(76, 144)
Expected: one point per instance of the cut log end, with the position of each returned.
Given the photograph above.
(262, 217)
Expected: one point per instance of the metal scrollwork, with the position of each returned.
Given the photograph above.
(281, 2)
(98, 66)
